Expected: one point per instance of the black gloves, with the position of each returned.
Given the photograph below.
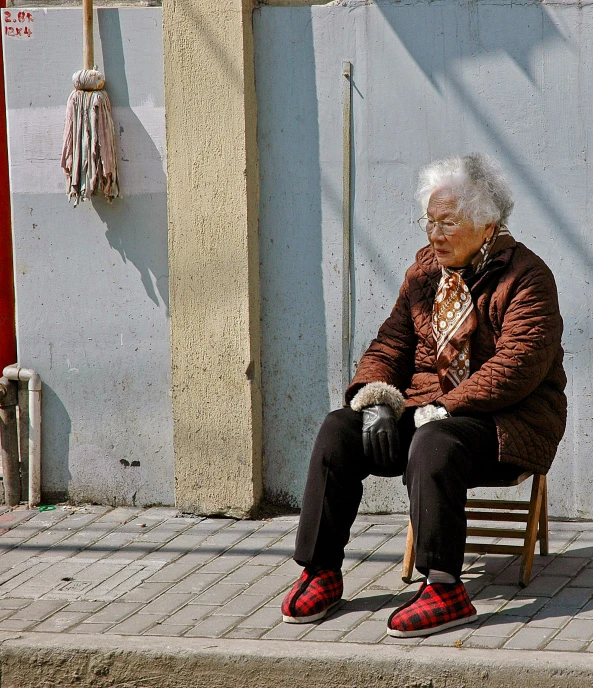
(380, 437)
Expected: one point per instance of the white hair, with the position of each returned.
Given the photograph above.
(477, 181)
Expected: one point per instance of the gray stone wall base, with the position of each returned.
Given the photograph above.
(31, 660)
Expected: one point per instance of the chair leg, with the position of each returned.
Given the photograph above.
(535, 503)
(543, 521)
(409, 556)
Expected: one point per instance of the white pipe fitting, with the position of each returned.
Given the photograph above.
(15, 372)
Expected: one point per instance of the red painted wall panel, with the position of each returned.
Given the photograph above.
(7, 303)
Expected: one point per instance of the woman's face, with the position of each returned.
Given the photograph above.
(457, 249)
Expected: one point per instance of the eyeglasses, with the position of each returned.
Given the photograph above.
(446, 228)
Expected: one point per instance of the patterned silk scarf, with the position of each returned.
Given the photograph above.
(453, 314)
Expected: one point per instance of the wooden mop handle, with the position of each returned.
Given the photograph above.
(87, 34)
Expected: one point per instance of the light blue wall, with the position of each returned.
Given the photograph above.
(431, 79)
(92, 281)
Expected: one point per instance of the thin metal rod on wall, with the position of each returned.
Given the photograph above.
(346, 220)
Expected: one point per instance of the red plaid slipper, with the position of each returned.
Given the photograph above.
(433, 608)
(313, 595)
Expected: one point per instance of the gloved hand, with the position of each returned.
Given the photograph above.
(425, 414)
(380, 437)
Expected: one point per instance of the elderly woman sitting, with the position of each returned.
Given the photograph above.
(462, 386)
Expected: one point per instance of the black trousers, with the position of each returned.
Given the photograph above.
(439, 462)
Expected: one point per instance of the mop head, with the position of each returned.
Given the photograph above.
(89, 156)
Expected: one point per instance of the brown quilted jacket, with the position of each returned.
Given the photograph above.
(516, 354)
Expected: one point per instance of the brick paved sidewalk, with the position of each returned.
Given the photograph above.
(153, 572)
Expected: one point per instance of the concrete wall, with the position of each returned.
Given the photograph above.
(213, 253)
(92, 282)
(430, 79)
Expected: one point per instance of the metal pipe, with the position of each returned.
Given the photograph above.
(15, 372)
(346, 221)
(9, 442)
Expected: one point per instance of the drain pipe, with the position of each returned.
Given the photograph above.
(15, 372)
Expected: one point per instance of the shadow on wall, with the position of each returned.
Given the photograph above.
(518, 31)
(294, 337)
(136, 227)
(55, 420)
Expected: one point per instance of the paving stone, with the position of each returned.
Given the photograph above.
(247, 574)
(287, 631)
(550, 618)
(218, 595)
(60, 622)
(48, 579)
(167, 630)
(190, 615)
(167, 603)
(90, 628)
(120, 514)
(274, 556)
(523, 606)
(173, 573)
(7, 613)
(98, 572)
(389, 580)
(369, 601)
(566, 645)
(113, 613)
(266, 617)
(145, 592)
(370, 569)
(242, 605)
(368, 541)
(449, 638)
(248, 633)
(544, 586)
(367, 632)
(529, 639)
(269, 586)
(132, 552)
(136, 624)
(194, 583)
(488, 642)
(13, 603)
(22, 577)
(212, 627)
(582, 546)
(343, 620)
(586, 612)
(321, 635)
(38, 610)
(495, 593)
(83, 606)
(102, 590)
(499, 626)
(565, 566)
(571, 598)
(353, 585)
(16, 624)
(391, 640)
(289, 568)
(224, 564)
(584, 579)
(577, 629)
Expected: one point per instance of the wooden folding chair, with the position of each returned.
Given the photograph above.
(533, 513)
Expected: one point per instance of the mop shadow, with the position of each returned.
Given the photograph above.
(136, 222)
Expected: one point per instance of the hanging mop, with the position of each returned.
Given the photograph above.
(89, 156)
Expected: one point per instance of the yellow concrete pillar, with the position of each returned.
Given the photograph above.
(213, 254)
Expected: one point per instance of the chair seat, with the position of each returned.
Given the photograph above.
(533, 514)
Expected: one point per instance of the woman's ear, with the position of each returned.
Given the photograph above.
(489, 231)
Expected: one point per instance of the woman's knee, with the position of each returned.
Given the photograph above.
(434, 449)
